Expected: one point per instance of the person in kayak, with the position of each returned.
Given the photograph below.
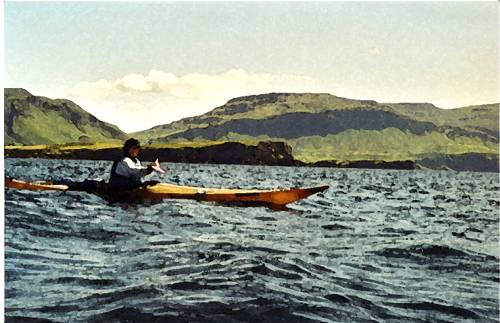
(126, 172)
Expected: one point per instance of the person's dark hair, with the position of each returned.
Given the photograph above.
(129, 143)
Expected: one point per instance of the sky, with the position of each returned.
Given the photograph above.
(141, 64)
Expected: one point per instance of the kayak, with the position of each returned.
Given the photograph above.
(159, 191)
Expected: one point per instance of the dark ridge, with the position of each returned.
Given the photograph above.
(493, 134)
(261, 98)
(295, 125)
(484, 134)
(247, 103)
(464, 162)
(235, 109)
(241, 98)
(264, 153)
(368, 164)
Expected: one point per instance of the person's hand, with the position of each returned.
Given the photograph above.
(156, 166)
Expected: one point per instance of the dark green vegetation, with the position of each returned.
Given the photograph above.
(321, 129)
(324, 127)
(35, 120)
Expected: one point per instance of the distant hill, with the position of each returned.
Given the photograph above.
(325, 127)
(320, 129)
(34, 120)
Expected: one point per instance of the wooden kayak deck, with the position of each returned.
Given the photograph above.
(275, 197)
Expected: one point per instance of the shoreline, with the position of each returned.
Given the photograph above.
(263, 153)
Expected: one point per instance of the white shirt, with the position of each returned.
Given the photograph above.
(127, 167)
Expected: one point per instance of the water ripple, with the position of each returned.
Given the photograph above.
(379, 245)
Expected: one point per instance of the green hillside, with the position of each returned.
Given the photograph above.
(326, 127)
(479, 117)
(34, 120)
(318, 127)
(255, 107)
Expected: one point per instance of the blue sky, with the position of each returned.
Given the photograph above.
(170, 60)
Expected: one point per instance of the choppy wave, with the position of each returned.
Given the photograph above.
(377, 246)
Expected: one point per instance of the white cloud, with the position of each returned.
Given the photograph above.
(376, 51)
(135, 101)
(133, 82)
(190, 85)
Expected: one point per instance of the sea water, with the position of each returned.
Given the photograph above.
(379, 245)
